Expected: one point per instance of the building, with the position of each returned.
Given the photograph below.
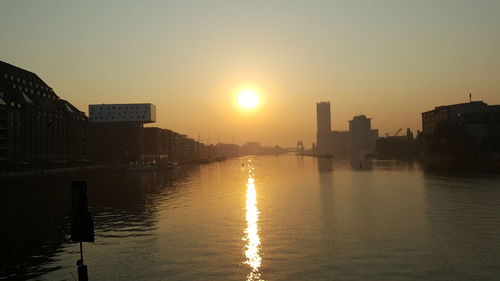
(463, 136)
(340, 143)
(323, 130)
(38, 128)
(363, 137)
(117, 142)
(450, 114)
(396, 147)
(118, 131)
(186, 148)
(130, 112)
(476, 118)
(155, 144)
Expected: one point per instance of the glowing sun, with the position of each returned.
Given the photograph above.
(248, 99)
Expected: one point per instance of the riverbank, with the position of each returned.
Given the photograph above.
(49, 171)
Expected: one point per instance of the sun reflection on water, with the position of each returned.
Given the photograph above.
(252, 238)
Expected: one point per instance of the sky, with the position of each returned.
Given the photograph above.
(389, 60)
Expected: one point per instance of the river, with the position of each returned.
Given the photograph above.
(270, 218)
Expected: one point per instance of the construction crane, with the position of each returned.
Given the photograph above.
(397, 132)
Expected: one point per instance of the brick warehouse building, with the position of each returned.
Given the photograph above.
(37, 128)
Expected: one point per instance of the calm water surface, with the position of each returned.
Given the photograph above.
(275, 218)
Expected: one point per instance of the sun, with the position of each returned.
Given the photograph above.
(248, 99)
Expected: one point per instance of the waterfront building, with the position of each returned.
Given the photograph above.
(451, 114)
(323, 129)
(340, 143)
(118, 131)
(186, 148)
(129, 112)
(38, 129)
(363, 137)
(396, 147)
(477, 118)
(461, 136)
(155, 144)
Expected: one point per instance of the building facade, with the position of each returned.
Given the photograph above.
(450, 114)
(37, 128)
(130, 112)
(363, 137)
(476, 118)
(118, 131)
(323, 130)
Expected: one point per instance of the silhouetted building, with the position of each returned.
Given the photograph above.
(477, 118)
(363, 137)
(37, 128)
(461, 136)
(186, 149)
(117, 142)
(450, 114)
(118, 131)
(396, 147)
(323, 130)
(155, 142)
(340, 143)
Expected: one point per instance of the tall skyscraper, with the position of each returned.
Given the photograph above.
(324, 129)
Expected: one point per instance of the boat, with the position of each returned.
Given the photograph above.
(171, 165)
(140, 167)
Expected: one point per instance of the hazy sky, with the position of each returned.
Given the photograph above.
(389, 60)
